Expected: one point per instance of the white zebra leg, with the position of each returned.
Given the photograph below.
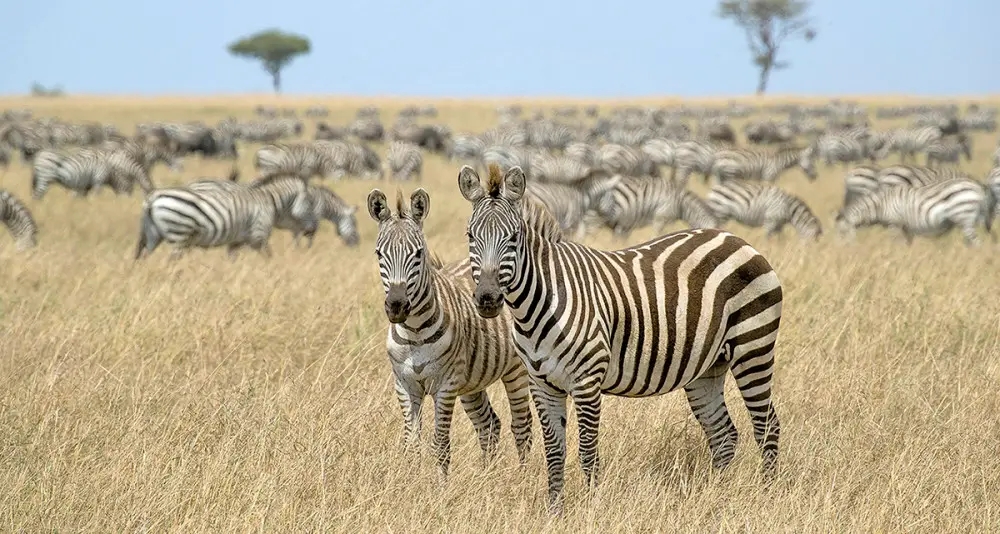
(410, 404)
(517, 385)
(706, 397)
(587, 399)
(970, 236)
(444, 410)
(477, 407)
(551, 407)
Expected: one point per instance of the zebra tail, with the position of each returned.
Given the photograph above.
(149, 236)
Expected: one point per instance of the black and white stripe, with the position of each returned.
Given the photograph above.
(932, 209)
(18, 220)
(860, 180)
(908, 142)
(767, 166)
(948, 150)
(403, 161)
(757, 205)
(635, 202)
(570, 204)
(675, 312)
(437, 344)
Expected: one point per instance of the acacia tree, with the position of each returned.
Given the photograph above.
(768, 24)
(274, 49)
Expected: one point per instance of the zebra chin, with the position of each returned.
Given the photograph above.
(489, 300)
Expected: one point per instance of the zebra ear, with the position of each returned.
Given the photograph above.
(420, 206)
(513, 184)
(468, 184)
(378, 207)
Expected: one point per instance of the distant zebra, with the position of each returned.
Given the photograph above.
(948, 150)
(757, 204)
(908, 142)
(619, 159)
(751, 164)
(559, 169)
(860, 181)
(224, 214)
(329, 206)
(86, 170)
(326, 159)
(569, 204)
(18, 220)
(466, 148)
(694, 156)
(851, 146)
(367, 129)
(634, 202)
(925, 210)
(993, 183)
(403, 161)
(437, 344)
(678, 311)
(916, 176)
(660, 151)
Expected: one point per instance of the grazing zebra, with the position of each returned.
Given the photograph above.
(633, 203)
(18, 220)
(120, 164)
(215, 213)
(694, 156)
(619, 159)
(437, 344)
(559, 169)
(932, 210)
(948, 150)
(367, 129)
(677, 311)
(756, 204)
(916, 176)
(569, 204)
(749, 164)
(466, 148)
(861, 180)
(908, 142)
(328, 206)
(850, 146)
(403, 161)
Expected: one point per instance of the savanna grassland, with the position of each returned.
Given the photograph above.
(207, 395)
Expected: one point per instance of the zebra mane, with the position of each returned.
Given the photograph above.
(435, 261)
(494, 181)
(402, 210)
(539, 219)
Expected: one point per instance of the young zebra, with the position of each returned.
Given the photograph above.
(18, 220)
(861, 180)
(755, 204)
(948, 150)
(211, 213)
(437, 344)
(675, 312)
(403, 161)
(752, 164)
(924, 210)
(633, 203)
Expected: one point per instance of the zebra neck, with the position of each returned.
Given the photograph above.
(426, 312)
(529, 288)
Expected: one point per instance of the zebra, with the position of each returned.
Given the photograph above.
(636, 202)
(329, 206)
(916, 176)
(223, 213)
(328, 159)
(932, 210)
(993, 184)
(677, 311)
(908, 141)
(560, 169)
(851, 146)
(569, 204)
(119, 164)
(749, 164)
(756, 204)
(466, 148)
(367, 129)
(948, 150)
(619, 159)
(437, 344)
(694, 156)
(861, 180)
(18, 220)
(403, 161)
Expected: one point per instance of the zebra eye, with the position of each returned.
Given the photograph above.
(419, 253)
(512, 239)
(469, 235)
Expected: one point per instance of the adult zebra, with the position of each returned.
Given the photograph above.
(438, 345)
(932, 209)
(751, 164)
(677, 311)
(860, 181)
(18, 220)
(632, 203)
(757, 204)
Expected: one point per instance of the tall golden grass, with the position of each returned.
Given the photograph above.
(206, 395)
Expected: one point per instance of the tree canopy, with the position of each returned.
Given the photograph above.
(768, 24)
(273, 48)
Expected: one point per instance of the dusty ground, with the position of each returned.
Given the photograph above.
(208, 395)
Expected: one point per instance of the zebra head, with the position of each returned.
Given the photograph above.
(495, 232)
(401, 251)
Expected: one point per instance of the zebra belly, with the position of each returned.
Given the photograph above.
(427, 368)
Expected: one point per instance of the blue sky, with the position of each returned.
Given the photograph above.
(582, 48)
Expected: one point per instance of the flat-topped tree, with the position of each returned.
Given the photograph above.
(768, 23)
(274, 49)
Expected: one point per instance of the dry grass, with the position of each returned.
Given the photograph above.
(215, 396)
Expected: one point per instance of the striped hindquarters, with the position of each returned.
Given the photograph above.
(633, 203)
(762, 205)
(404, 161)
(860, 181)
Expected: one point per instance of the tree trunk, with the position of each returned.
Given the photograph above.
(276, 80)
(765, 75)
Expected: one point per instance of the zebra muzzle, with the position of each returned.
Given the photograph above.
(488, 296)
(397, 304)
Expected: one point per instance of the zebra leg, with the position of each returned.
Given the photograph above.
(587, 400)
(551, 407)
(485, 421)
(517, 385)
(970, 235)
(410, 404)
(753, 378)
(444, 409)
(706, 396)
(232, 251)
